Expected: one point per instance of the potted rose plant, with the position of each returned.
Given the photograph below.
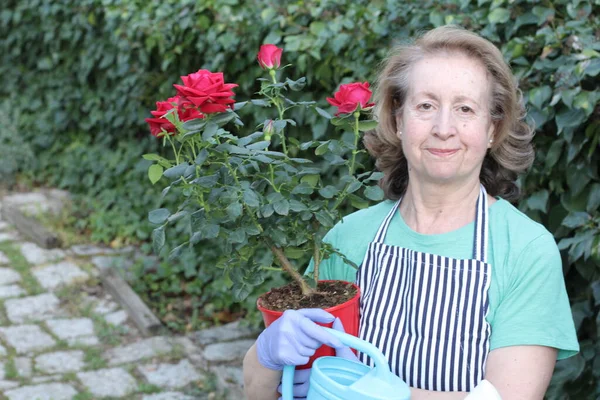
(252, 193)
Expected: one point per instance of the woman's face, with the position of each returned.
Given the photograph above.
(445, 122)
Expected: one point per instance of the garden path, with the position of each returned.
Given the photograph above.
(63, 337)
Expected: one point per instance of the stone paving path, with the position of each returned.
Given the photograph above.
(62, 337)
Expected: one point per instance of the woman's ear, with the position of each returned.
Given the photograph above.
(399, 126)
(491, 135)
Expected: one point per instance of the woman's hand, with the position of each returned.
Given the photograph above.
(293, 338)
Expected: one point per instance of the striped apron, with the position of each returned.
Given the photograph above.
(425, 312)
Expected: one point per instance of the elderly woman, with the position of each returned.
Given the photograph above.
(459, 289)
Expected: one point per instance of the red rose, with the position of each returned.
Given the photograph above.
(269, 56)
(160, 123)
(207, 91)
(350, 96)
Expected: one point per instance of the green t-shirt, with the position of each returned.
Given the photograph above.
(527, 296)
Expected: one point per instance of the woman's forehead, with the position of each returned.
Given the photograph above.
(449, 75)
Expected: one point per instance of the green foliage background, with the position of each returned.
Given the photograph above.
(80, 76)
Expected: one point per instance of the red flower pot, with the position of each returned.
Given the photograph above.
(347, 312)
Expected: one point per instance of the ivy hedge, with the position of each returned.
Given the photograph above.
(79, 77)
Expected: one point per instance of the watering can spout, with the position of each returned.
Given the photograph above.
(335, 378)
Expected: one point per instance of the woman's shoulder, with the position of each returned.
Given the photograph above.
(510, 224)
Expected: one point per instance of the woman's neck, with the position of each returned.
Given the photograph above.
(434, 209)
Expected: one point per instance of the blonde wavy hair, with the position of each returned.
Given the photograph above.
(511, 152)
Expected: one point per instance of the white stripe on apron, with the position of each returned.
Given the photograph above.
(425, 312)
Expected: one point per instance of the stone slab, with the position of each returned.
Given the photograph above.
(36, 255)
(86, 250)
(26, 338)
(228, 351)
(23, 365)
(2, 350)
(57, 275)
(4, 225)
(172, 376)
(114, 382)
(83, 341)
(116, 318)
(28, 198)
(168, 396)
(46, 378)
(5, 385)
(11, 291)
(8, 275)
(32, 308)
(140, 350)
(105, 306)
(71, 328)
(224, 333)
(3, 258)
(9, 236)
(60, 362)
(47, 391)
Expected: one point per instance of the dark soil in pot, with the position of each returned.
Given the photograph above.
(289, 297)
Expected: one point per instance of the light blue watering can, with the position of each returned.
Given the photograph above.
(335, 378)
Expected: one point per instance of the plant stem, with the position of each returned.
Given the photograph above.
(316, 260)
(356, 137)
(289, 268)
(173, 147)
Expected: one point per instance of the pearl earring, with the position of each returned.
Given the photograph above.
(491, 140)
(400, 133)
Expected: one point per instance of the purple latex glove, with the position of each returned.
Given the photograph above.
(344, 352)
(301, 380)
(302, 376)
(294, 337)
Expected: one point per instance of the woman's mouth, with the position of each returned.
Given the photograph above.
(442, 152)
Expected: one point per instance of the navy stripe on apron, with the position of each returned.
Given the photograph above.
(426, 312)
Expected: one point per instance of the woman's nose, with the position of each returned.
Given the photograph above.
(444, 126)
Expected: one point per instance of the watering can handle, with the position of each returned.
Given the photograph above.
(382, 369)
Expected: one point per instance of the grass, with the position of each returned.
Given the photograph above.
(20, 264)
(10, 369)
(107, 333)
(93, 358)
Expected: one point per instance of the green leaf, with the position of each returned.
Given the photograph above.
(328, 191)
(158, 239)
(176, 252)
(554, 154)
(322, 149)
(237, 236)
(259, 145)
(324, 218)
(202, 156)
(538, 201)
(207, 181)
(367, 125)
(296, 85)
(303, 188)
(251, 198)
(374, 193)
(158, 216)
(267, 210)
(312, 180)
(282, 207)
(540, 95)
(260, 103)
(323, 113)
(155, 172)
(354, 186)
(210, 131)
(594, 198)
(239, 105)
(176, 171)
(297, 206)
(234, 210)
(576, 219)
(375, 176)
(499, 16)
(358, 202)
(210, 231)
(294, 253)
(569, 118)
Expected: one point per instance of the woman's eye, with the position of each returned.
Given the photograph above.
(466, 109)
(425, 106)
